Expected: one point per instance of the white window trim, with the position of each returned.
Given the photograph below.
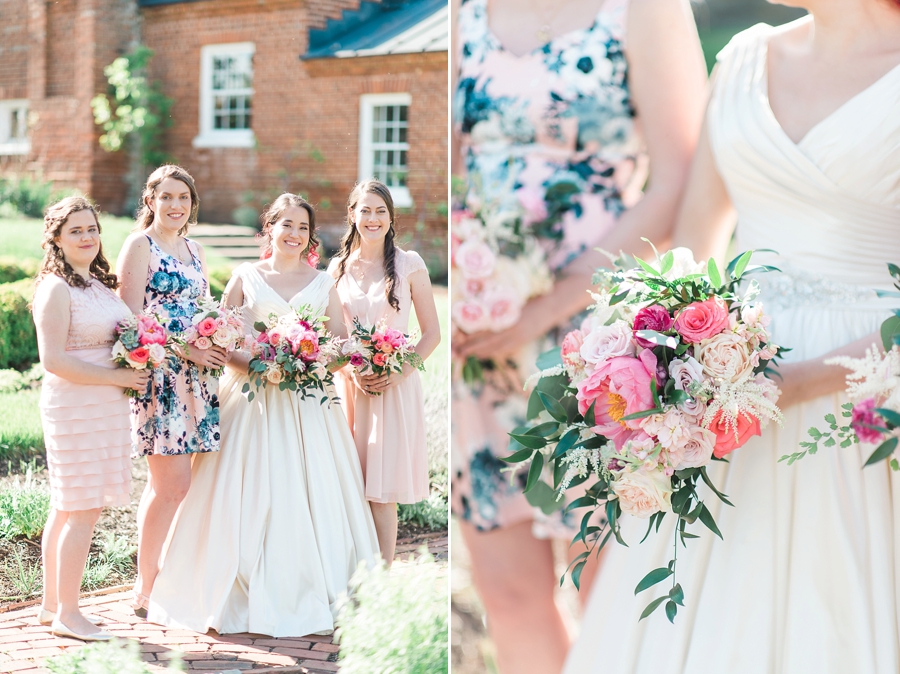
(209, 136)
(7, 145)
(367, 102)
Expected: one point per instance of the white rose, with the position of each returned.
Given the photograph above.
(643, 494)
(698, 450)
(222, 337)
(274, 375)
(157, 353)
(119, 350)
(726, 356)
(607, 342)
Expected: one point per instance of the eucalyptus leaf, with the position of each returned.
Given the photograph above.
(530, 441)
(556, 410)
(544, 430)
(518, 457)
(534, 473)
(566, 442)
(883, 451)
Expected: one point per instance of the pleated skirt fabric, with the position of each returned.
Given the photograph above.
(87, 434)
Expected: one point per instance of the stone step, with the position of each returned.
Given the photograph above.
(242, 253)
(221, 230)
(228, 241)
(232, 241)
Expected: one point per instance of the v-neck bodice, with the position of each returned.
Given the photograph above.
(829, 204)
(261, 300)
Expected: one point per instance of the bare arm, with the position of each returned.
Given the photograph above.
(132, 269)
(234, 297)
(667, 79)
(426, 313)
(51, 318)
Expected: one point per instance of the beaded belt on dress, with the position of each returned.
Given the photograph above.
(794, 288)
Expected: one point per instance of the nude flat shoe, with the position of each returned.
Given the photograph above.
(46, 618)
(61, 630)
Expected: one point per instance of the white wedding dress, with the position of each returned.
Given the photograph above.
(275, 523)
(807, 579)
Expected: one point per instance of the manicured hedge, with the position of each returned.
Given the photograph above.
(18, 339)
(12, 269)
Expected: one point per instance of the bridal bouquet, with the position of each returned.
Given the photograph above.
(292, 351)
(874, 390)
(214, 324)
(497, 267)
(140, 343)
(667, 374)
(379, 350)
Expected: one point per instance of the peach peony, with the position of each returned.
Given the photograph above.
(730, 436)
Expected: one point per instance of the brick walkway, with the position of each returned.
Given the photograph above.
(24, 644)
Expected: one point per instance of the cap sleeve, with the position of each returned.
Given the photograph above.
(410, 261)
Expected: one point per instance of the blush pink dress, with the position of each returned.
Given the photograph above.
(389, 429)
(87, 430)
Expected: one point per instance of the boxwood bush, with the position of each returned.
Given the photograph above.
(18, 339)
(12, 269)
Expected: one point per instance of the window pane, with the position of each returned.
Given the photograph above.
(402, 131)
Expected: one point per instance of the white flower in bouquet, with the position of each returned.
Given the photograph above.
(643, 493)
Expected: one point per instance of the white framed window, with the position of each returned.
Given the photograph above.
(14, 127)
(384, 142)
(226, 95)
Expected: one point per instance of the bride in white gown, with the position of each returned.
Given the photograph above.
(802, 139)
(275, 523)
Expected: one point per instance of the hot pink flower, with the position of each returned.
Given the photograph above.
(864, 413)
(619, 387)
(207, 326)
(150, 332)
(702, 320)
(653, 317)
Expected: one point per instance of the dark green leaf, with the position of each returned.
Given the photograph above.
(530, 441)
(889, 416)
(884, 450)
(543, 496)
(589, 415)
(534, 473)
(518, 457)
(641, 415)
(544, 430)
(671, 610)
(555, 387)
(722, 497)
(651, 607)
(707, 519)
(259, 326)
(565, 443)
(652, 578)
(576, 575)
(245, 388)
(250, 397)
(556, 410)
(676, 594)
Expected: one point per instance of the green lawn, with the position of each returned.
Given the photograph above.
(21, 436)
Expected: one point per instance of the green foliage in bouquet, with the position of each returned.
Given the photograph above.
(554, 445)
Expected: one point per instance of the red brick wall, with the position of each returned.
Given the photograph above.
(305, 114)
(13, 49)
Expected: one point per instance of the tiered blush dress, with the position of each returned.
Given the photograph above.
(87, 431)
(807, 578)
(553, 131)
(180, 412)
(275, 524)
(389, 429)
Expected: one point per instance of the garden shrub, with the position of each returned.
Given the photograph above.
(18, 338)
(394, 622)
(12, 269)
(24, 507)
(105, 657)
(430, 513)
(29, 196)
(218, 278)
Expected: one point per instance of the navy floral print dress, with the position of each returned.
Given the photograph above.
(179, 414)
(552, 133)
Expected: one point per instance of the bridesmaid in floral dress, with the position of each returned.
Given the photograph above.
(84, 411)
(376, 281)
(164, 273)
(558, 109)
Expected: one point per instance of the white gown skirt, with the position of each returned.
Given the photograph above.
(273, 526)
(807, 579)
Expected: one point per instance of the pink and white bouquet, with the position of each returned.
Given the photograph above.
(873, 414)
(216, 325)
(141, 343)
(292, 351)
(379, 350)
(497, 267)
(666, 375)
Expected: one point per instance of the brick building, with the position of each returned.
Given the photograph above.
(269, 95)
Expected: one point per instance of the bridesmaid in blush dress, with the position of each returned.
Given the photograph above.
(164, 272)
(84, 411)
(379, 282)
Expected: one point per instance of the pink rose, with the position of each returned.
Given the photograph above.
(504, 305)
(379, 359)
(475, 259)
(572, 342)
(698, 450)
(702, 320)
(275, 335)
(730, 436)
(207, 326)
(203, 343)
(619, 387)
(864, 413)
(655, 318)
(470, 316)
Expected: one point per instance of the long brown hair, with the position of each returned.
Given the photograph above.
(274, 212)
(350, 240)
(145, 215)
(54, 261)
